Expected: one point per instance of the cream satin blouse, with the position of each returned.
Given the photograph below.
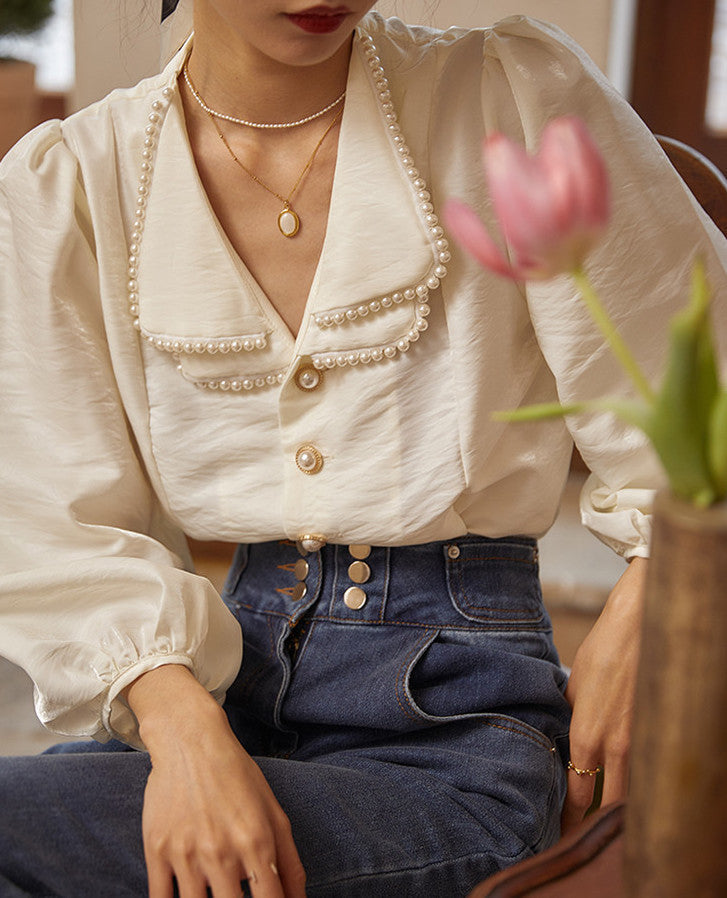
(150, 390)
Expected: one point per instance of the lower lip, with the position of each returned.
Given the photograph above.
(318, 24)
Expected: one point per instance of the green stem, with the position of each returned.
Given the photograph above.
(613, 338)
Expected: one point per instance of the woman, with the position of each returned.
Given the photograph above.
(227, 316)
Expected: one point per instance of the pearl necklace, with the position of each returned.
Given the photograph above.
(288, 218)
(248, 124)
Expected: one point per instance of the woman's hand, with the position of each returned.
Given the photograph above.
(601, 692)
(210, 818)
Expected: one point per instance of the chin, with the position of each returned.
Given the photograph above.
(305, 52)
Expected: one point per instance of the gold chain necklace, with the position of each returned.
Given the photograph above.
(288, 218)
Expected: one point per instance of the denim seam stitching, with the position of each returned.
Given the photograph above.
(507, 626)
(387, 576)
(411, 713)
(524, 852)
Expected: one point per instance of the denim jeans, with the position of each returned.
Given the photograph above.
(407, 709)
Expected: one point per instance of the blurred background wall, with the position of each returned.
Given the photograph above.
(119, 47)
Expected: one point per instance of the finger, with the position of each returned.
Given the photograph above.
(160, 879)
(616, 779)
(292, 872)
(264, 879)
(223, 885)
(190, 883)
(578, 799)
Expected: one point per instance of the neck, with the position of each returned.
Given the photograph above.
(235, 78)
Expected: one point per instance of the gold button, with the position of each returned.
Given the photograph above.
(453, 552)
(360, 551)
(354, 597)
(359, 571)
(309, 459)
(308, 378)
(299, 591)
(301, 569)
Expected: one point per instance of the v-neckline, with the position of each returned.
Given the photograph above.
(266, 304)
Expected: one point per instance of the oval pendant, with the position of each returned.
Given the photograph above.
(288, 222)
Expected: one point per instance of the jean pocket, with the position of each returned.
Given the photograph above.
(496, 582)
(458, 676)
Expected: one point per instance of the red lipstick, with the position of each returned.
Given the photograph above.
(320, 19)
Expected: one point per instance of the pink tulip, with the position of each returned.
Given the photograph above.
(551, 207)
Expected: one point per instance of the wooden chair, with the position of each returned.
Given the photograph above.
(701, 176)
(586, 863)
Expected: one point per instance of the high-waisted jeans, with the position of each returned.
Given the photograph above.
(406, 707)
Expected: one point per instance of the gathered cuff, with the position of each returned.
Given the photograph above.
(119, 721)
(620, 518)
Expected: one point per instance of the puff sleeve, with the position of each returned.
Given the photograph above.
(95, 579)
(641, 269)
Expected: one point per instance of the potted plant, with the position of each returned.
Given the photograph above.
(18, 98)
(552, 208)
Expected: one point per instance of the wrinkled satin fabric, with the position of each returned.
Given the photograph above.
(111, 453)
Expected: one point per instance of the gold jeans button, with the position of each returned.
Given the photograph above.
(359, 551)
(301, 569)
(299, 591)
(359, 571)
(354, 597)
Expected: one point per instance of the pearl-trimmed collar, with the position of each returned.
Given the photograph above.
(202, 305)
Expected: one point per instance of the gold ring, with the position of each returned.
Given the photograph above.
(584, 771)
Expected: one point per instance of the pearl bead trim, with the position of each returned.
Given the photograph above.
(159, 108)
(236, 383)
(166, 343)
(418, 294)
(177, 345)
(375, 353)
(440, 247)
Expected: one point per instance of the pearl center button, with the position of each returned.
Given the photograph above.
(309, 459)
(310, 542)
(308, 378)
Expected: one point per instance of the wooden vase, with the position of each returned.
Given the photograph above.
(676, 825)
(18, 101)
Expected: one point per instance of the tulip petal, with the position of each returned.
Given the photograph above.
(572, 163)
(551, 206)
(522, 201)
(465, 226)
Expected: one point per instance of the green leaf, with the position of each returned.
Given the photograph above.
(636, 413)
(718, 444)
(680, 420)
(541, 412)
